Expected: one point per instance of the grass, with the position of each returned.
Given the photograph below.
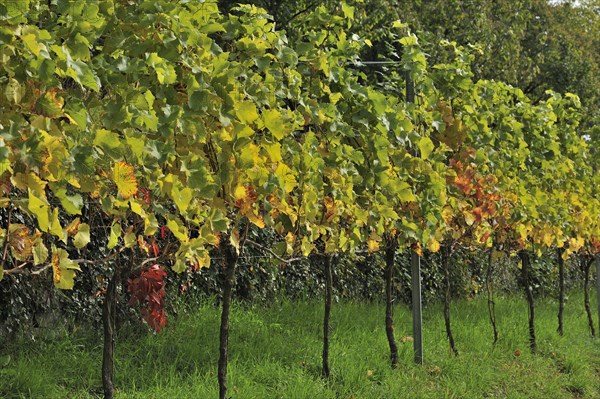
(275, 353)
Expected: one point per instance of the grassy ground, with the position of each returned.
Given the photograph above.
(275, 353)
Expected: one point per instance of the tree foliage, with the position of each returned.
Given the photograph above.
(170, 129)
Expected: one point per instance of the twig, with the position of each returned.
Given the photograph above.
(311, 5)
(40, 271)
(270, 251)
(21, 268)
(95, 262)
(17, 269)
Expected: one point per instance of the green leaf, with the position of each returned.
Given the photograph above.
(130, 239)
(348, 11)
(379, 101)
(40, 253)
(82, 238)
(76, 113)
(115, 234)
(218, 222)
(137, 145)
(425, 146)
(110, 142)
(49, 105)
(16, 10)
(179, 266)
(165, 72)
(409, 40)
(30, 41)
(182, 198)
(178, 229)
(72, 204)
(275, 123)
(82, 74)
(14, 92)
(150, 224)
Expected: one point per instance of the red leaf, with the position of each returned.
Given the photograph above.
(148, 291)
(163, 231)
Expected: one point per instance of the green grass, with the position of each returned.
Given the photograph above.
(275, 353)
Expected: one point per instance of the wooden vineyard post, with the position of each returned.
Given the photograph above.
(416, 307)
(415, 282)
(598, 285)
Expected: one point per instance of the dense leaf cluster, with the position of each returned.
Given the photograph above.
(169, 129)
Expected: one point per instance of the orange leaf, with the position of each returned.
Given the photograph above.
(73, 227)
(463, 183)
(417, 248)
(329, 208)
(477, 212)
(244, 196)
(143, 245)
(485, 237)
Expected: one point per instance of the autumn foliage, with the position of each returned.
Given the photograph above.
(148, 291)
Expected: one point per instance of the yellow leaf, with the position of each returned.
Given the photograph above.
(274, 151)
(150, 224)
(373, 245)
(447, 214)
(286, 177)
(256, 220)
(330, 208)
(203, 259)
(469, 218)
(56, 228)
(244, 196)
(275, 123)
(523, 231)
(125, 179)
(180, 232)
(433, 245)
(576, 243)
(40, 209)
(306, 246)
(548, 238)
(143, 244)
(289, 242)
(246, 112)
(239, 193)
(136, 207)
(234, 239)
(36, 184)
(82, 238)
(248, 156)
(63, 269)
